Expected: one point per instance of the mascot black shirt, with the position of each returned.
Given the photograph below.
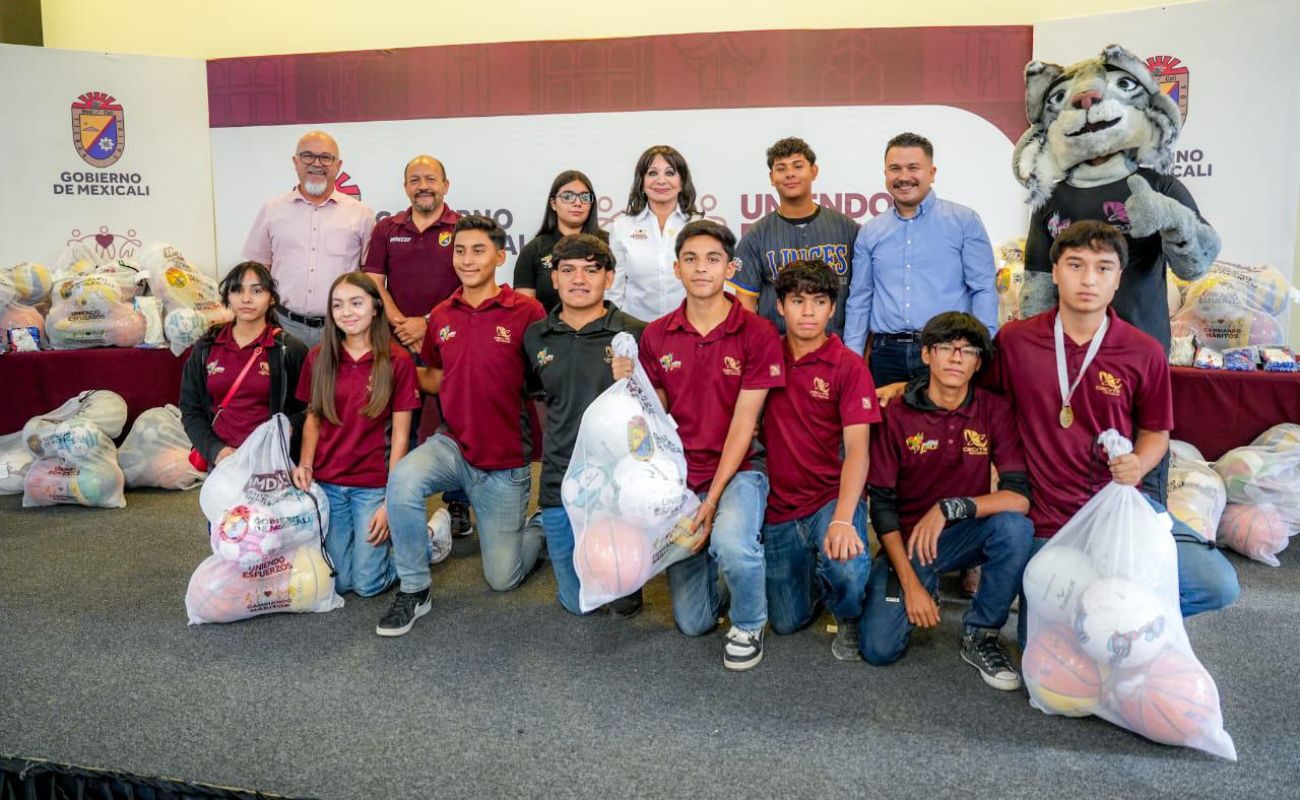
(1141, 299)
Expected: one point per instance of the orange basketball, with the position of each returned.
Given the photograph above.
(216, 593)
(1255, 531)
(1171, 700)
(1062, 679)
(613, 558)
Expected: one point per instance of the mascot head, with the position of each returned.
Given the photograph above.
(1098, 107)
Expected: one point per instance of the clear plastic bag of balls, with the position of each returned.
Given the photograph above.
(191, 300)
(103, 407)
(266, 535)
(88, 311)
(1255, 530)
(1196, 496)
(1235, 305)
(625, 489)
(15, 459)
(22, 326)
(156, 453)
(1257, 475)
(74, 463)
(1105, 631)
(1281, 436)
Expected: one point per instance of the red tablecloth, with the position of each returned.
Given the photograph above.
(33, 383)
(1217, 410)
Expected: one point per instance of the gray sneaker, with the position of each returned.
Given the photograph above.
(982, 650)
(439, 528)
(845, 645)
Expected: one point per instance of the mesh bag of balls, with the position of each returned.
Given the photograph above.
(73, 459)
(156, 453)
(1235, 305)
(1105, 632)
(625, 490)
(1263, 488)
(266, 536)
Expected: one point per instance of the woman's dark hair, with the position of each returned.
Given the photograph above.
(325, 370)
(235, 277)
(1092, 235)
(636, 199)
(551, 222)
(953, 325)
(807, 277)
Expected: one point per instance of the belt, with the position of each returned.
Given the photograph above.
(301, 319)
(906, 336)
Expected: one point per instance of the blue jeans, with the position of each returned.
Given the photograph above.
(362, 567)
(1000, 544)
(800, 576)
(499, 498)
(736, 551)
(894, 361)
(1206, 580)
(559, 545)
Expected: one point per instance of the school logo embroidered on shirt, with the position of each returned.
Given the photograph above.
(1109, 384)
(264, 369)
(866, 404)
(445, 333)
(977, 444)
(730, 366)
(546, 261)
(774, 370)
(609, 354)
(503, 335)
(821, 390)
(444, 238)
(215, 368)
(668, 363)
(544, 357)
(920, 445)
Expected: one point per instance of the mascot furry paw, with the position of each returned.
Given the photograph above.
(1099, 147)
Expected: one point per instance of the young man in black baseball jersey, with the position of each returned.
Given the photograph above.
(799, 230)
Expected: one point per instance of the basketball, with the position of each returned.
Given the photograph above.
(1255, 531)
(612, 558)
(1123, 624)
(215, 593)
(607, 427)
(649, 492)
(1054, 579)
(1061, 678)
(1173, 700)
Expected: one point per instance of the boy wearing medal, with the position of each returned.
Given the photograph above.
(1078, 370)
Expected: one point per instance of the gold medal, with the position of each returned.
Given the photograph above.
(1066, 417)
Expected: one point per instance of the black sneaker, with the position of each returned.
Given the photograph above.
(845, 645)
(984, 652)
(407, 608)
(743, 649)
(625, 607)
(461, 524)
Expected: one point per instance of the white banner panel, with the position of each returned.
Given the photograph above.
(503, 166)
(111, 150)
(1232, 64)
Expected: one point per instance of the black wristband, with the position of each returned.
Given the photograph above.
(957, 508)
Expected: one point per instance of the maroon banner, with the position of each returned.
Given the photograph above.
(978, 69)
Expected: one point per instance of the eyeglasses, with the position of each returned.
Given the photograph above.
(946, 351)
(571, 197)
(324, 159)
(590, 270)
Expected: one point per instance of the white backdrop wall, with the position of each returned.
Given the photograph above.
(158, 189)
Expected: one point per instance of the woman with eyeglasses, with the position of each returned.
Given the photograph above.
(660, 203)
(570, 208)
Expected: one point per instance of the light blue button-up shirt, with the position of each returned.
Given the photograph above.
(906, 270)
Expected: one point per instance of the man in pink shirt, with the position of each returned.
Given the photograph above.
(309, 236)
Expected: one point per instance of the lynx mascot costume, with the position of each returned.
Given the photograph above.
(1099, 146)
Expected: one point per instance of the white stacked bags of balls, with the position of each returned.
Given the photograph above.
(1263, 487)
(74, 459)
(266, 536)
(91, 303)
(1235, 305)
(191, 300)
(625, 490)
(156, 453)
(24, 289)
(1105, 632)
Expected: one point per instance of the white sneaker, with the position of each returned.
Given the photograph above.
(743, 649)
(439, 528)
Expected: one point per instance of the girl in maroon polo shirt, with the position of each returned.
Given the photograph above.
(357, 384)
(218, 408)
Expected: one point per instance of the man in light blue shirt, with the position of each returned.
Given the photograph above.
(923, 257)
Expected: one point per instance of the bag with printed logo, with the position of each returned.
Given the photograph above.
(625, 489)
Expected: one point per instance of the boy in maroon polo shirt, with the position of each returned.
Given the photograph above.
(932, 509)
(712, 363)
(815, 531)
(1078, 370)
(477, 366)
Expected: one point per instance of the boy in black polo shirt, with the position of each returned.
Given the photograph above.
(931, 508)
(569, 353)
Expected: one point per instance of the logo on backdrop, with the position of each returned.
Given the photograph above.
(98, 128)
(344, 184)
(107, 245)
(1173, 79)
